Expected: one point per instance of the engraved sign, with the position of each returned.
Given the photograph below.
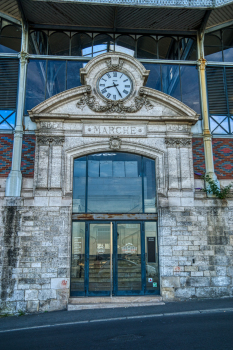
(114, 130)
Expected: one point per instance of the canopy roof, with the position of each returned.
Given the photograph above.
(121, 15)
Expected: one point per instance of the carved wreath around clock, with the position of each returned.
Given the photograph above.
(113, 106)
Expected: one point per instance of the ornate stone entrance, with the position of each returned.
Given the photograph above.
(85, 120)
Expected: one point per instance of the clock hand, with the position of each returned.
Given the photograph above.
(111, 86)
(117, 89)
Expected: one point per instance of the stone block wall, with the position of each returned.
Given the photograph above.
(196, 250)
(35, 256)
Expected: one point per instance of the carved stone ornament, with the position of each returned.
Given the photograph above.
(114, 63)
(176, 142)
(114, 106)
(47, 140)
(115, 142)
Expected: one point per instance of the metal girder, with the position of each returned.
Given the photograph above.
(9, 18)
(220, 26)
(117, 30)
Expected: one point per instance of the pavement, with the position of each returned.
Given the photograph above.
(59, 319)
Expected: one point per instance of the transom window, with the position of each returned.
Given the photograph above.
(114, 183)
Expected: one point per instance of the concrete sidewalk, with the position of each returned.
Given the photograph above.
(50, 319)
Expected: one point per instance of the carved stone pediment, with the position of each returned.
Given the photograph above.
(86, 101)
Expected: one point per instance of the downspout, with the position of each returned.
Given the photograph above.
(207, 136)
(14, 180)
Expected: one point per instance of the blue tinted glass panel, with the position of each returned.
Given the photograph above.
(149, 185)
(154, 79)
(7, 119)
(35, 85)
(228, 54)
(190, 87)
(73, 73)
(56, 78)
(213, 53)
(171, 80)
(114, 183)
(79, 185)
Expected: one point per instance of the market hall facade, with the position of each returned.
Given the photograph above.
(102, 133)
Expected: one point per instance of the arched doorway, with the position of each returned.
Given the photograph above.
(114, 228)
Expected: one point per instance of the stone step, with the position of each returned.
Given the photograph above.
(82, 303)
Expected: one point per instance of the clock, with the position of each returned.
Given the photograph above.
(114, 86)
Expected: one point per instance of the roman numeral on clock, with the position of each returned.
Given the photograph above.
(108, 95)
(114, 97)
(127, 86)
(108, 75)
(103, 91)
(126, 92)
(103, 79)
(114, 74)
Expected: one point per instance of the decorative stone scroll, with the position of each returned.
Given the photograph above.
(178, 142)
(114, 106)
(47, 140)
(115, 142)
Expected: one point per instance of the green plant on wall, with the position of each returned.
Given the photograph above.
(213, 187)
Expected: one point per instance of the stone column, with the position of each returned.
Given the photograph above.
(207, 137)
(14, 180)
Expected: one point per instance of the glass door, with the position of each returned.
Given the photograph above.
(100, 258)
(114, 258)
(129, 258)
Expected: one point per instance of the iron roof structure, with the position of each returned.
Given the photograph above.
(121, 15)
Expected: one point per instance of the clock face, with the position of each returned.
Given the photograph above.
(115, 85)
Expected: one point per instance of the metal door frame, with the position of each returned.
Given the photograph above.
(115, 291)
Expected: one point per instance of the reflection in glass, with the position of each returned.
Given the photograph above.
(149, 185)
(78, 257)
(7, 119)
(10, 39)
(59, 44)
(213, 47)
(187, 49)
(35, 85)
(151, 256)
(56, 77)
(102, 43)
(126, 44)
(99, 257)
(129, 256)
(114, 183)
(190, 91)
(73, 73)
(79, 185)
(228, 45)
(81, 45)
(168, 48)
(38, 43)
(146, 47)
(107, 191)
(171, 80)
(219, 124)
(154, 79)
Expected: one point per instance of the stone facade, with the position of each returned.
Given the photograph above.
(195, 232)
